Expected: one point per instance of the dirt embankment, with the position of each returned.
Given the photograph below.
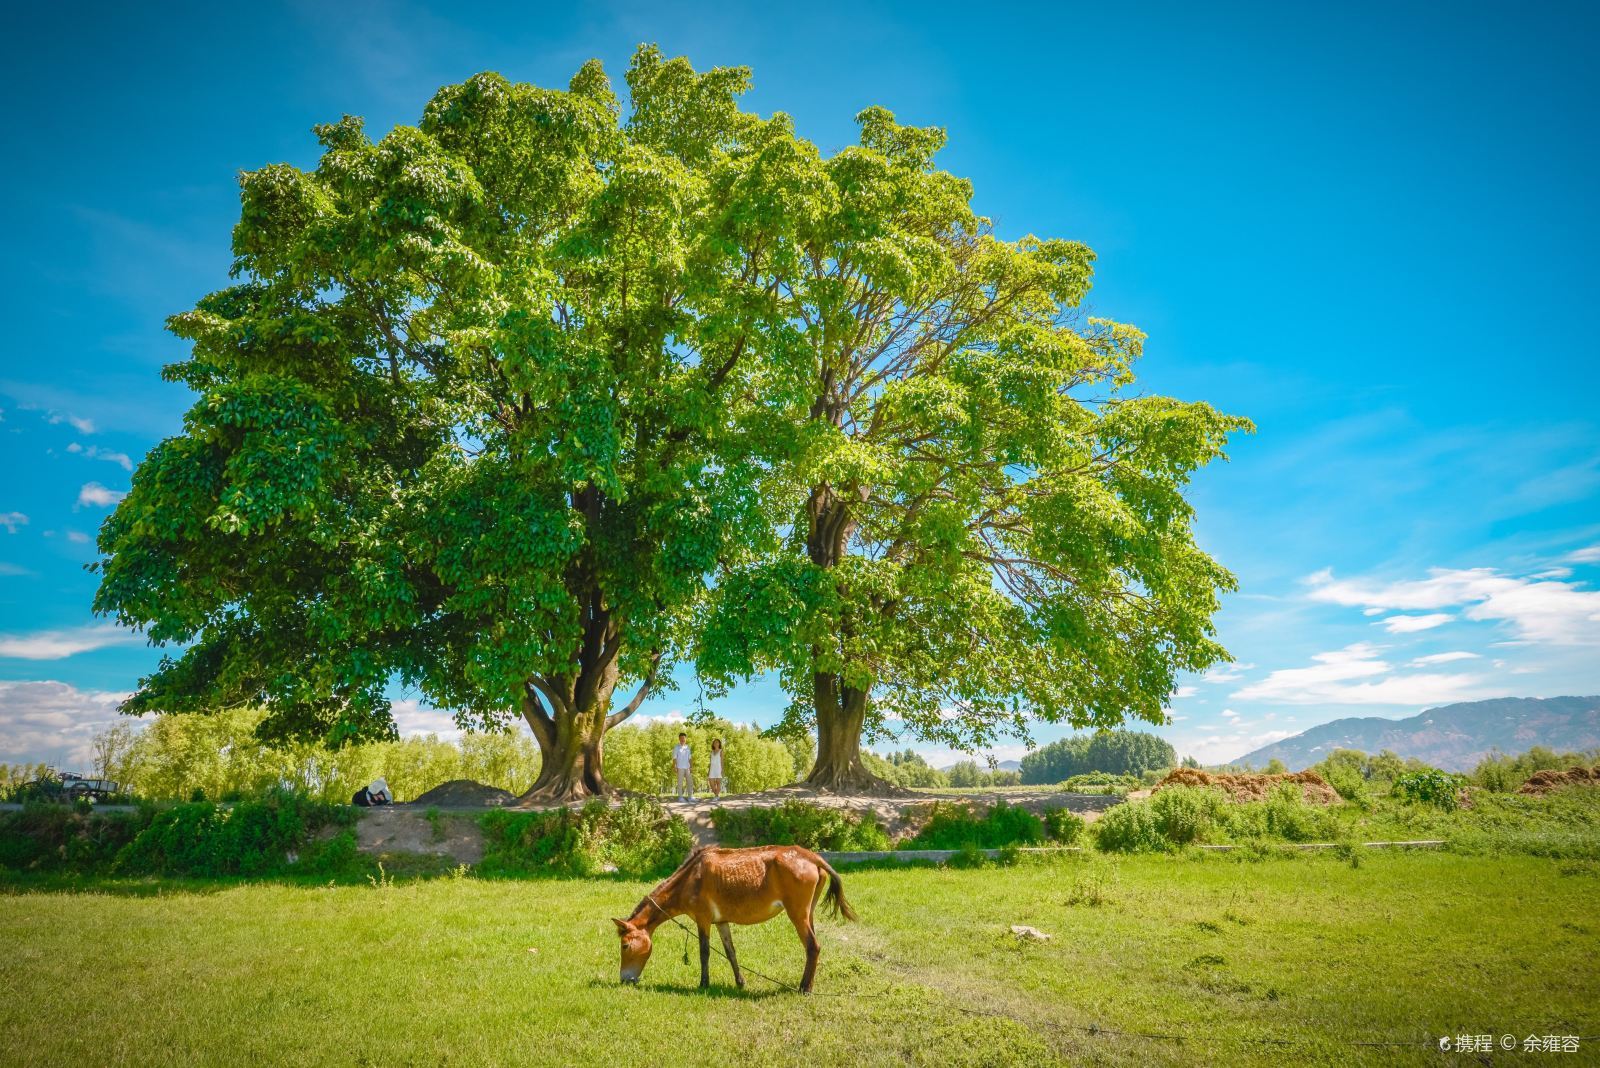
(1313, 787)
(1542, 782)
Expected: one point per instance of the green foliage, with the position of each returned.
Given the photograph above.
(952, 825)
(1101, 782)
(222, 756)
(1433, 787)
(250, 838)
(1284, 816)
(1064, 826)
(52, 837)
(907, 769)
(639, 758)
(800, 823)
(635, 839)
(1116, 753)
(1186, 814)
(1129, 828)
(1505, 774)
(491, 398)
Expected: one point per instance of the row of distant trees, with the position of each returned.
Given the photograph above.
(222, 757)
(1112, 752)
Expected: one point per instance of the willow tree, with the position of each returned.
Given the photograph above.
(987, 525)
(474, 419)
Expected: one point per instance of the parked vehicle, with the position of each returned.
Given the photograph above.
(68, 786)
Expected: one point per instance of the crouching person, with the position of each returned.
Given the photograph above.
(375, 794)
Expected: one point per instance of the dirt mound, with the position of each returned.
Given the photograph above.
(465, 792)
(1313, 787)
(1542, 782)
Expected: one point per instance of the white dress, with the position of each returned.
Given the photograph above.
(716, 765)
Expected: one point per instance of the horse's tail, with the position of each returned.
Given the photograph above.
(835, 895)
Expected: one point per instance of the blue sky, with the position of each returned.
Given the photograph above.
(1370, 229)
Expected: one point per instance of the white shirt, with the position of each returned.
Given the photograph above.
(379, 791)
(680, 756)
(716, 765)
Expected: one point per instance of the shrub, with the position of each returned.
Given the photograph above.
(1129, 828)
(1102, 779)
(800, 823)
(1431, 787)
(47, 837)
(636, 839)
(953, 826)
(1063, 826)
(203, 840)
(1185, 814)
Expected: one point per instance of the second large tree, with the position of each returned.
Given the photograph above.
(986, 524)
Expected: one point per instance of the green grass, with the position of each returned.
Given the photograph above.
(1312, 951)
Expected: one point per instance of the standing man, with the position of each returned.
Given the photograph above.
(681, 758)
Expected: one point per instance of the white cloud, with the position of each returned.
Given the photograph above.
(60, 644)
(413, 718)
(79, 423)
(53, 722)
(12, 520)
(1544, 611)
(1222, 747)
(78, 537)
(1555, 572)
(1353, 676)
(95, 494)
(1185, 691)
(13, 569)
(95, 452)
(1226, 673)
(1445, 658)
(1412, 624)
(1589, 555)
(1229, 713)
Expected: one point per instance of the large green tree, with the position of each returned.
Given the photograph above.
(986, 523)
(481, 414)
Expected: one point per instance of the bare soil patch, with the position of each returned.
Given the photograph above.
(406, 829)
(1543, 782)
(1240, 788)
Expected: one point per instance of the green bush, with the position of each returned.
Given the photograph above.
(800, 823)
(251, 838)
(1432, 787)
(953, 826)
(48, 837)
(636, 839)
(1129, 828)
(1063, 826)
(1188, 814)
(1102, 782)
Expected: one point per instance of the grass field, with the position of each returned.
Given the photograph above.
(1312, 952)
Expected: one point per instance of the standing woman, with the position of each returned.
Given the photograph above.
(715, 772)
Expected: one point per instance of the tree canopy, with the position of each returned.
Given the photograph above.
(986, 524)
(481, 414)
(544, 395)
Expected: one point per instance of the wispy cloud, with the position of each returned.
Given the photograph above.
(1538, 610)
(13, 569)
(95, 452)
(12, 520)
(1443, 658)
(1412, 624)
(60, 644)
(1589, 555)
(1355, 675)
(81, 424)
(412, 718)
(93, 494)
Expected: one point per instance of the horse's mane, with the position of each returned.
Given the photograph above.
(671, 881)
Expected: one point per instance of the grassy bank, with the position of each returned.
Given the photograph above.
(1312, 952)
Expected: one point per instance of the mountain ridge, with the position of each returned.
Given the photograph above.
(1453, 737)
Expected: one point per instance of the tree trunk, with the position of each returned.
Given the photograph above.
(838, 768)
(570, 768)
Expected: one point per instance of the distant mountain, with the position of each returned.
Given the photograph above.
(1453, 737)
(1003, 765)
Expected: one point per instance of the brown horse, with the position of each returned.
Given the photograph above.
(744, 886)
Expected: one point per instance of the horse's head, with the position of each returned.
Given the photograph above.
(636, 948)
